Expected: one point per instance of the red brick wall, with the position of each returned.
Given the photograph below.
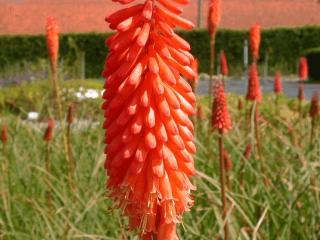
(28, 16)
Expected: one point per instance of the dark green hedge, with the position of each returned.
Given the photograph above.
(283, 46)
(313, 56)
(18, 49)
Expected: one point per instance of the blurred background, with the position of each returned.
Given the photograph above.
(290, 30)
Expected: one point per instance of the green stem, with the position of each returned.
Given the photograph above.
(57, 97)
(212, 54)
(223, 187)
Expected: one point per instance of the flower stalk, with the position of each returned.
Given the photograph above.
(52, 36)
(48, 136)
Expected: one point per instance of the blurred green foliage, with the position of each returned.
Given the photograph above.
(37, 96)
(283, 46)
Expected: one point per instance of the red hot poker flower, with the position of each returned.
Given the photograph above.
(255, 40)
(224, 69)
(254, 90)
(314, 108)
(248, 151)
(303, 69)
(49, 131)
(278, 88)
(52, 36)
(149, 135)
(214, 16)
(220, 116)
(4, 134)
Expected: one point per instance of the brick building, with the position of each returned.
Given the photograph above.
(28, 16)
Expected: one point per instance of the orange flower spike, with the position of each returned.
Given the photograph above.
(303, 69)
(278, 88)
(220, 116)
(247, 152)
(255, 40)
(254, 90)
(4, 134)
(314, 108)
(149, 135)
(52, 36)
(214, 16)
(48, 136)
(224, 69)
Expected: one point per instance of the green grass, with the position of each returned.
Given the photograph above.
(288, 208)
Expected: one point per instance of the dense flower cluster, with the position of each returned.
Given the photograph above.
(220, 116)
(314, 108)
(278, 88)
(247, 152)
(303, 69)
(224, 69)
(254, 90)
(214, 16)
(48, 135)
(149, 135)
(4, 134)
(255, 39)
(52, 36)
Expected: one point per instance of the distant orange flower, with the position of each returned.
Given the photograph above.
(255, 40)
(278, 88)
(254, 90)
(220, 116)
(303, 69)
(52, 42)
(4, 134)
(48, 135)
(314, 108)
(224, 69)
(214, 16)
(248, 151)
(149, 136)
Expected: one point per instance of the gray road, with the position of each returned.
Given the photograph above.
(240, 87)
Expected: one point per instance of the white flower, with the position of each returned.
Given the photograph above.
(33, 116)
(91, 93)
(79, 95)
